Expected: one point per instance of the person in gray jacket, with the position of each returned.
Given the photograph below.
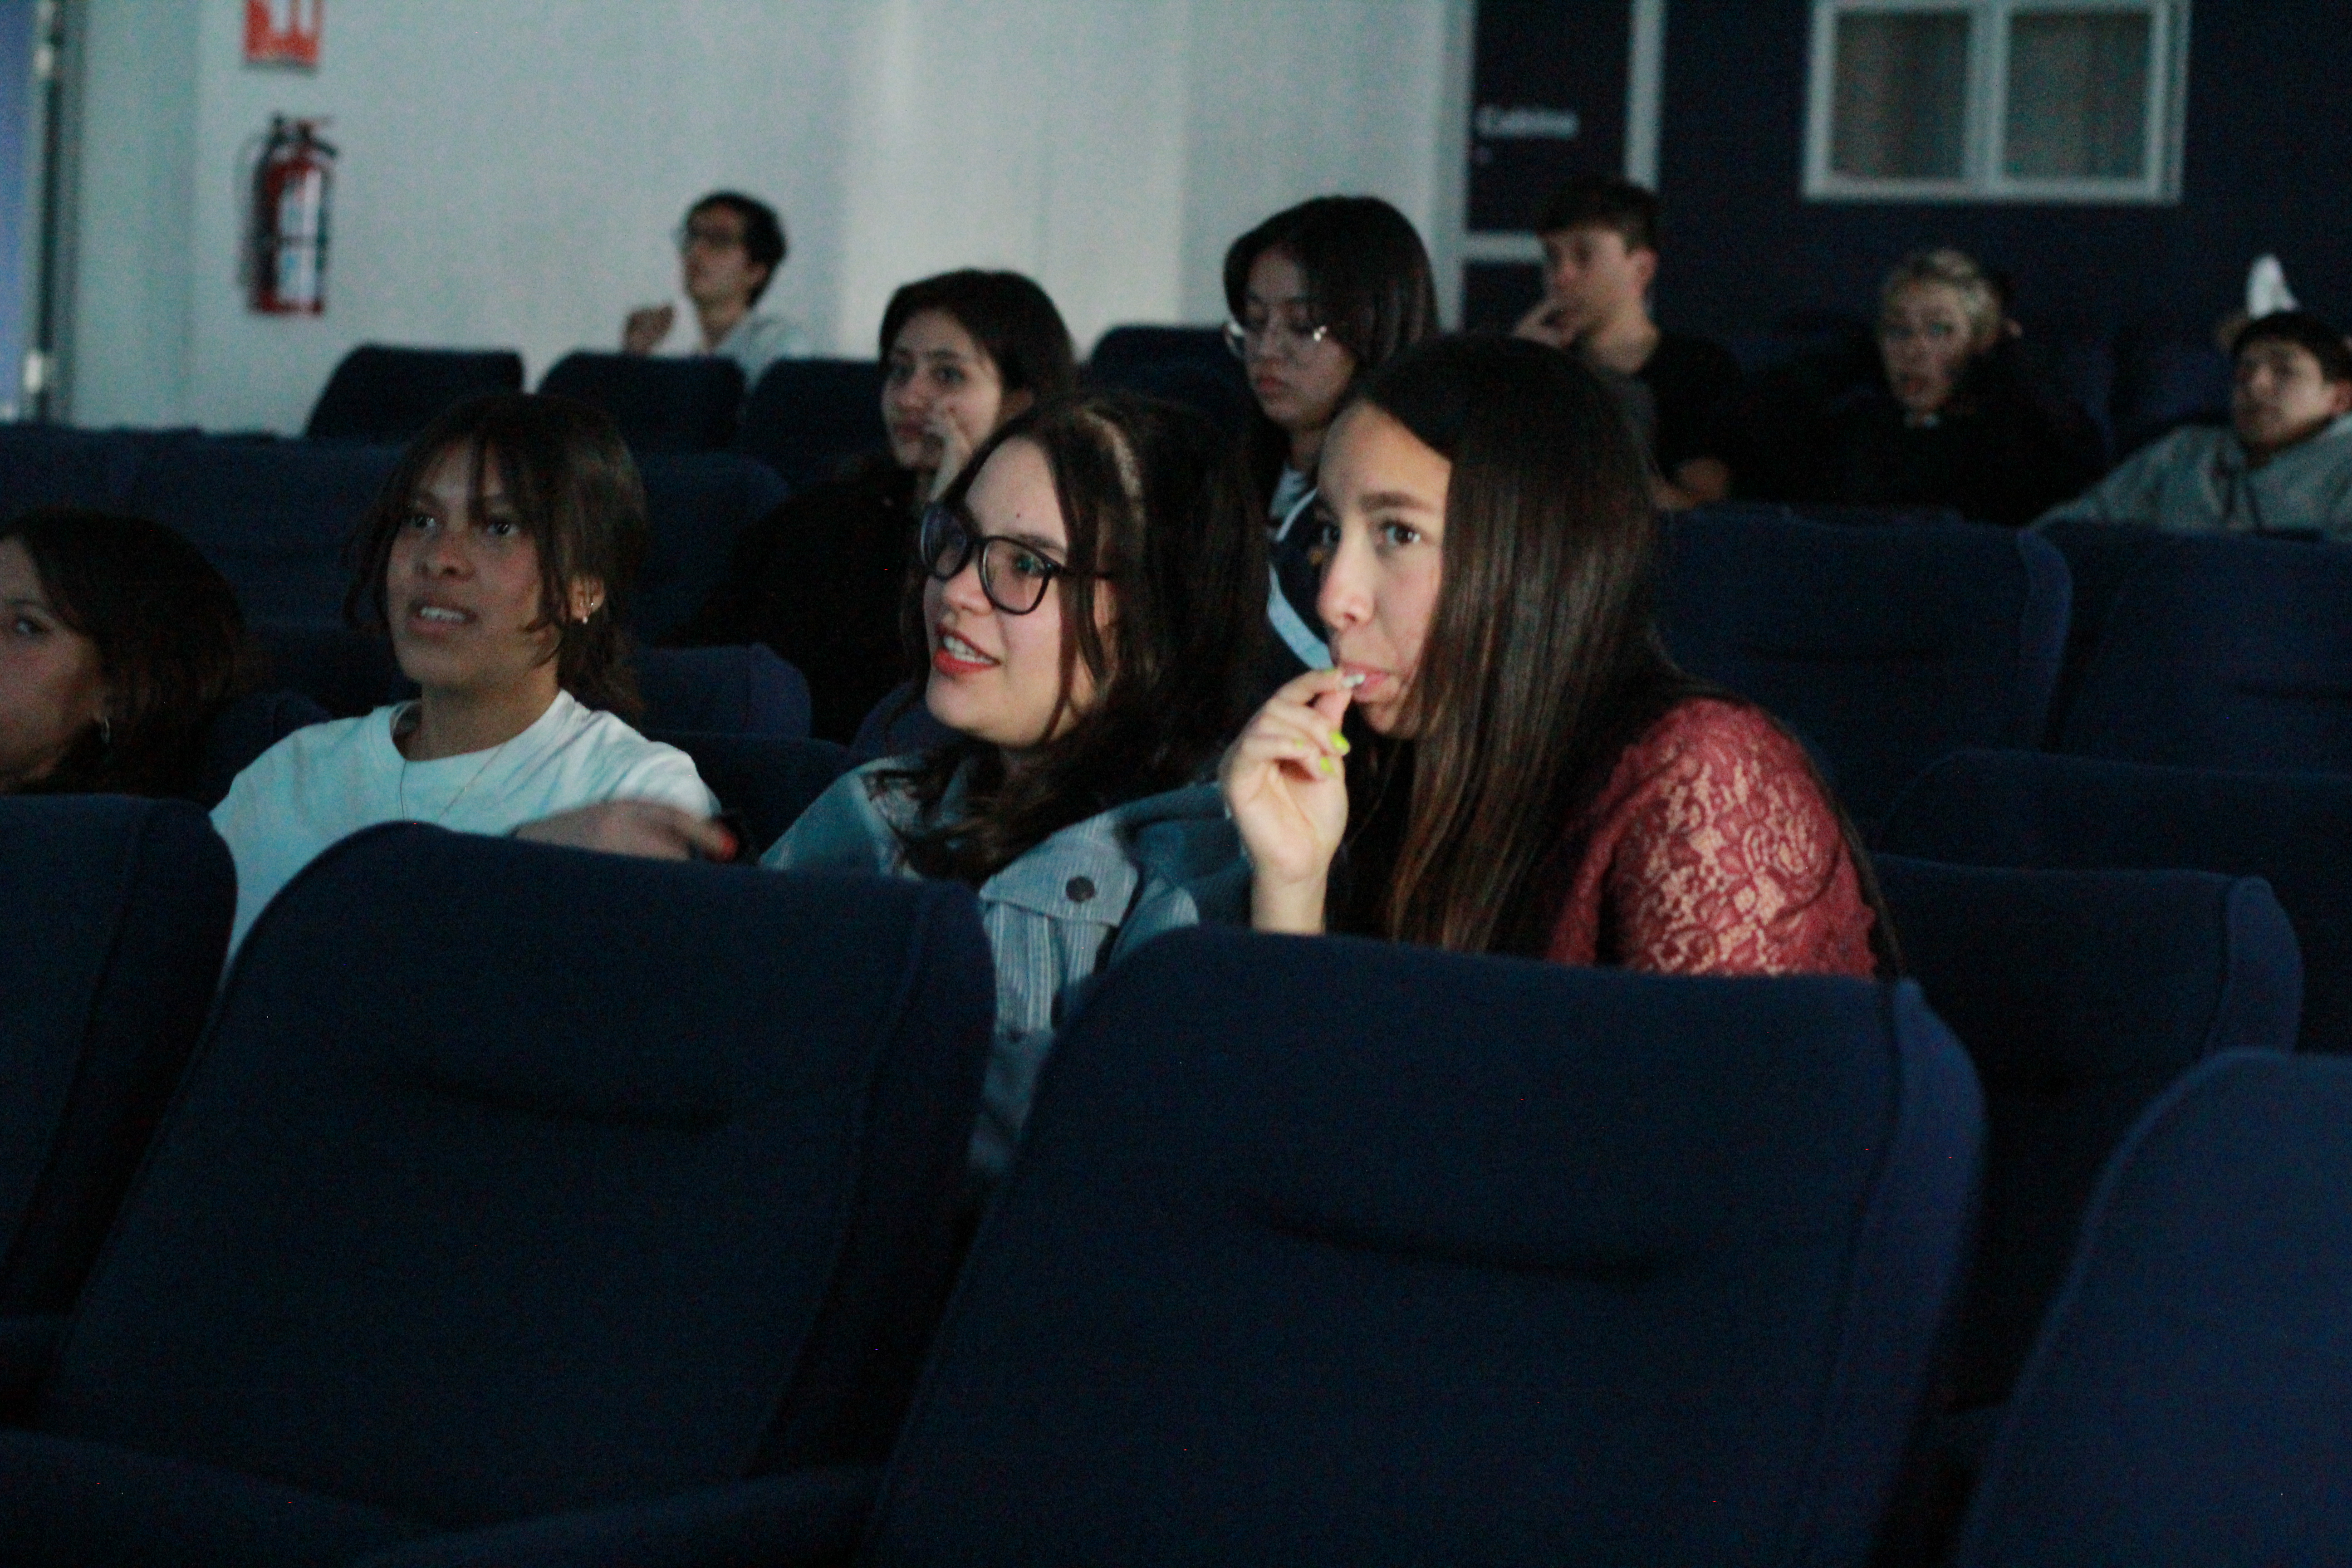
(2284, 462)
(1093, 593)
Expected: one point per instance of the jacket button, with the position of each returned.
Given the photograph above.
(1079, 889)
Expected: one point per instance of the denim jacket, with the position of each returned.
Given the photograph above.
(1076, 902)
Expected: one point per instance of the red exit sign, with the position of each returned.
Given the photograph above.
(283, 32)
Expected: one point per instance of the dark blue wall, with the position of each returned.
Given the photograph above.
(2267, 166)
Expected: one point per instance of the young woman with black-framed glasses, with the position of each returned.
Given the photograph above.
(1086, 623)
(1322, 295)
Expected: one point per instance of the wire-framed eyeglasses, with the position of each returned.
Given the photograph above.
(1014, 572)
(1241, 337)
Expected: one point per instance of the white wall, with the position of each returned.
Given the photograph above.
(511, 170)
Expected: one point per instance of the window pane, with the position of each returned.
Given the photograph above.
(2078, 95)
(1902, 94)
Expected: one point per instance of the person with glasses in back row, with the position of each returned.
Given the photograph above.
(1092, 597)
(820, 578)
(1322, 294)
(1952, 418)
(729, 249)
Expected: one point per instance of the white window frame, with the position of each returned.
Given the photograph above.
(1983, 177)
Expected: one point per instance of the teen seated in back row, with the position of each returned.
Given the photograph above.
(497, 559)
(1504, 760)
(1953, 421)
(1095, 593)
(820, 578)
(1600, 256)
(2284, 461)
(121, 647)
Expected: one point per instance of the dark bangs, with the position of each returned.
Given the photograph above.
(573, 488)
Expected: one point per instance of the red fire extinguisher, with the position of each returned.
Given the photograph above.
(292, 184)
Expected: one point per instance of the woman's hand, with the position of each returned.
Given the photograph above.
(644, 827)
(645, 328)
(1286, 784)
(956, 447)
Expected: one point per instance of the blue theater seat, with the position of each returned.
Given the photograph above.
(2081, 996)
(116, 916)
(387, 395)
(897, 725)
(241, 732)
(1190, 366)
(2100, 558)
(1883, 648)
(2028, 809)
(2164, 378)
(2223, 653)
(766, 780)
(662, 405)
(723, 691)
(275, 517)
(1338, 1251)
(2190, 1398)
(808, 417)
(696, 504)
(52, 465)
(516, 1190)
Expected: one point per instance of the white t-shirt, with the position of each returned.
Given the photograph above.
(755, 342)
(325, 783)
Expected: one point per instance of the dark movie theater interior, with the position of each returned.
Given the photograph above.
(1133, 784)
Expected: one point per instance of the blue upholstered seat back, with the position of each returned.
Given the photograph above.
(1349, 1252)
(2081, 995)
(385, 394)
(2190, 1398)
(2027, 809)
(1882, 647)
(2223, 653)
(808, 417)
(112, 933)
(662, 405)
(510, 1179)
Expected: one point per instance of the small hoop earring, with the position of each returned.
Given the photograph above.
(105, 730)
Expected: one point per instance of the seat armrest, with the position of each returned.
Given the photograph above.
(29, 1348)
(802, 1519)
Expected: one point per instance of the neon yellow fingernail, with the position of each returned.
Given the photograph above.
(1328, 765)
(1340, 744)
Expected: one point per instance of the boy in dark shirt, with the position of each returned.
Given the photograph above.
(1601, 251)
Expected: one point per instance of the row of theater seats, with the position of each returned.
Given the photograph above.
(517, 1205)
(1884, 647)
(804, 418)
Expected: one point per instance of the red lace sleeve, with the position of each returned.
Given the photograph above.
(1715, 853)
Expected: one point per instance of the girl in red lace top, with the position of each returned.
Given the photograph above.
(1504, 758)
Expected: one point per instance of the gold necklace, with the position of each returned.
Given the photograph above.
(410, 718)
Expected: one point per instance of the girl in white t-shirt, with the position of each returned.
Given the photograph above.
(493, 559)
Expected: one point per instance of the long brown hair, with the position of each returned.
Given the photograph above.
(1154, 500)
(1542, 662)
(575, 490)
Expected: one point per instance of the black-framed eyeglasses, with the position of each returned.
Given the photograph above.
(1241, 336)
(688, 235)
(1013, 574)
